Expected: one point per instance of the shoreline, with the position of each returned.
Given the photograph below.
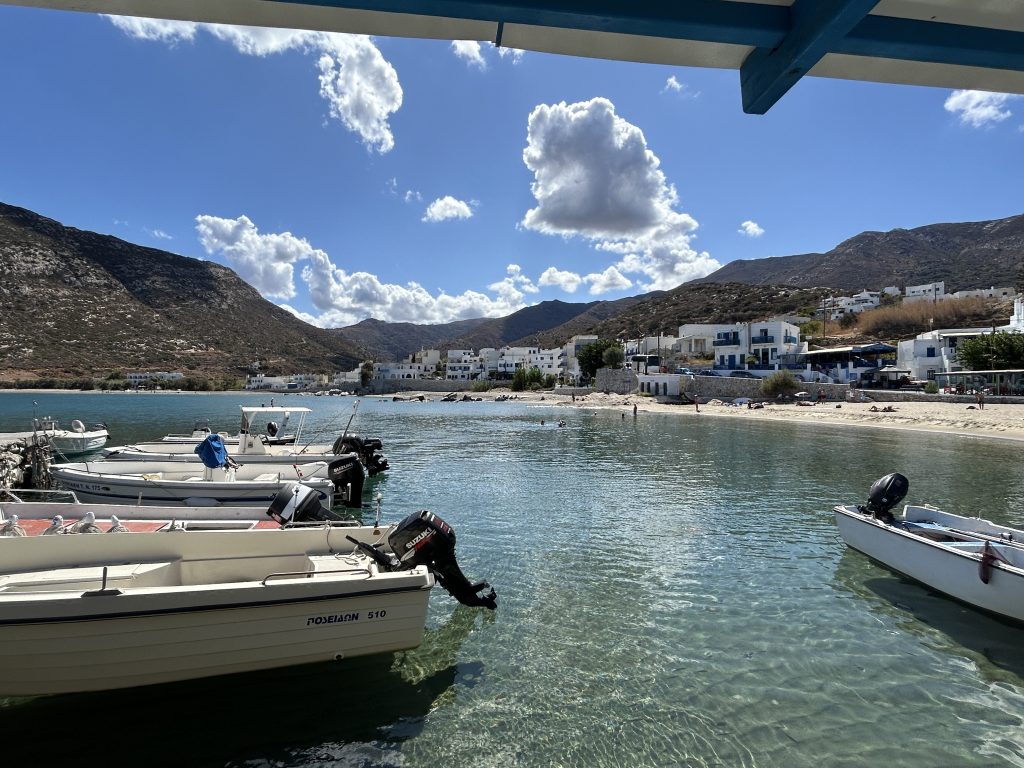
(999, 421)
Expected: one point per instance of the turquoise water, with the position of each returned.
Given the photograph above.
(672, 592)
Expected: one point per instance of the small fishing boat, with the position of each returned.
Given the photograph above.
(251, 446)
(970, 559)
(98, 611)
(227, 484)
(74, 441)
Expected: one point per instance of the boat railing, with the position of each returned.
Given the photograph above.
(311, 574)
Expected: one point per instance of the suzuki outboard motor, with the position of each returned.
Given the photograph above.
(297, 503)
(346, 472)
(885, 494)
(423, 538)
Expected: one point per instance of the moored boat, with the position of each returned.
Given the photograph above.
(970, 559)
(97, 611)
(180, 483)
(71, 442)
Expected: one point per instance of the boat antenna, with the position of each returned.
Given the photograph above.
(355, 407)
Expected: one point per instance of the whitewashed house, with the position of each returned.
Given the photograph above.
(464, 365)
(985, 293)
(934, 352)
(695, 339)
(764, 341)
(927, 292)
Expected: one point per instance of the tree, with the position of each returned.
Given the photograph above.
(613, 356)
(995, 351)
(519, 380)
(591, 357)
(365, 373)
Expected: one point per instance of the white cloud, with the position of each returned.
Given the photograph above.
(473, 52)
(609, 280)
(412, 196)
(469, 51)
(445, 208)
(159, 30)
(263, 261)
(567, 281)
(979, 108)
(159, 234)
(595, 177)
(750, 229)
(267, 262)
(673, 85)
(513, 288)
(360, 86)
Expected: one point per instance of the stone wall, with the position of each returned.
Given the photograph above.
(620, 381)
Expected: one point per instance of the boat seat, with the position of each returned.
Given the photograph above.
(267, 477)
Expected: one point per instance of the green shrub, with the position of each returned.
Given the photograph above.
(931, 388)
(481, 385)
(780, 383)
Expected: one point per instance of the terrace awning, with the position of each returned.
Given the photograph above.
(773, 43)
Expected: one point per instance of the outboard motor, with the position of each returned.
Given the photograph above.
(346, 472)
(296, 503)
(423, 538)
(272, 428)
(885, 494)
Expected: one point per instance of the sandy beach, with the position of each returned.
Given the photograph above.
(998, 421)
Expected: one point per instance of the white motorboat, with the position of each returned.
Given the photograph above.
(74, 441)
(274, 434)
(179, 483)
(92, 612)
(970, 559)
(255, 447)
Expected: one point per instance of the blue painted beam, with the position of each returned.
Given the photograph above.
(906, 40)
(706, 20)
(817, 26)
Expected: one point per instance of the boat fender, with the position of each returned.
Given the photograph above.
(989, 556)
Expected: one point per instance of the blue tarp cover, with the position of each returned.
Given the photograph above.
(212, 451)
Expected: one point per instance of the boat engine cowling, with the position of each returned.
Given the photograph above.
(423, 538)
(296, 503)
(347, 474)
(886, 493)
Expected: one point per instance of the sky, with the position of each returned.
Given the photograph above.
(347, 177)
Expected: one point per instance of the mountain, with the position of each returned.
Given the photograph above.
(966, 255)
(79, 303)
(392, 341)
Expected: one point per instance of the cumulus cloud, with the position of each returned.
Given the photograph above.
(979, 108)
(469, 51)
(359, 85)
(750, 229)
(513, 288)
(268, 260)
(567, 281)
(596, 178)
(445, 208)
(473, 53)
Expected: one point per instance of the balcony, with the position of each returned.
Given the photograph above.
(762, 339)
(726, 343)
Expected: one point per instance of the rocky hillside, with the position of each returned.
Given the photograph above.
(79, 303)
(379, 340)
(968, 255)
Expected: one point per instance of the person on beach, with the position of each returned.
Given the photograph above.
(634, 410)
(979, 396)
(821, 394)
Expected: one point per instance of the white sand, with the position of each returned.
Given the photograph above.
(995, 421)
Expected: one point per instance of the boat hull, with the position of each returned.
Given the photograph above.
(101, 651)
(939, 567)
(73, 444)
(180, 484)
(96, 612)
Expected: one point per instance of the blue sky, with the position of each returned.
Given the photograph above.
(424, 181)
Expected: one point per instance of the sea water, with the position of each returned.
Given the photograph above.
(672, 592)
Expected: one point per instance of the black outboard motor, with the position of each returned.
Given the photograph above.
(423, 538)
(366, 448)
(885, 494)
(346, 472)
(272, 428)
(296, 503)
